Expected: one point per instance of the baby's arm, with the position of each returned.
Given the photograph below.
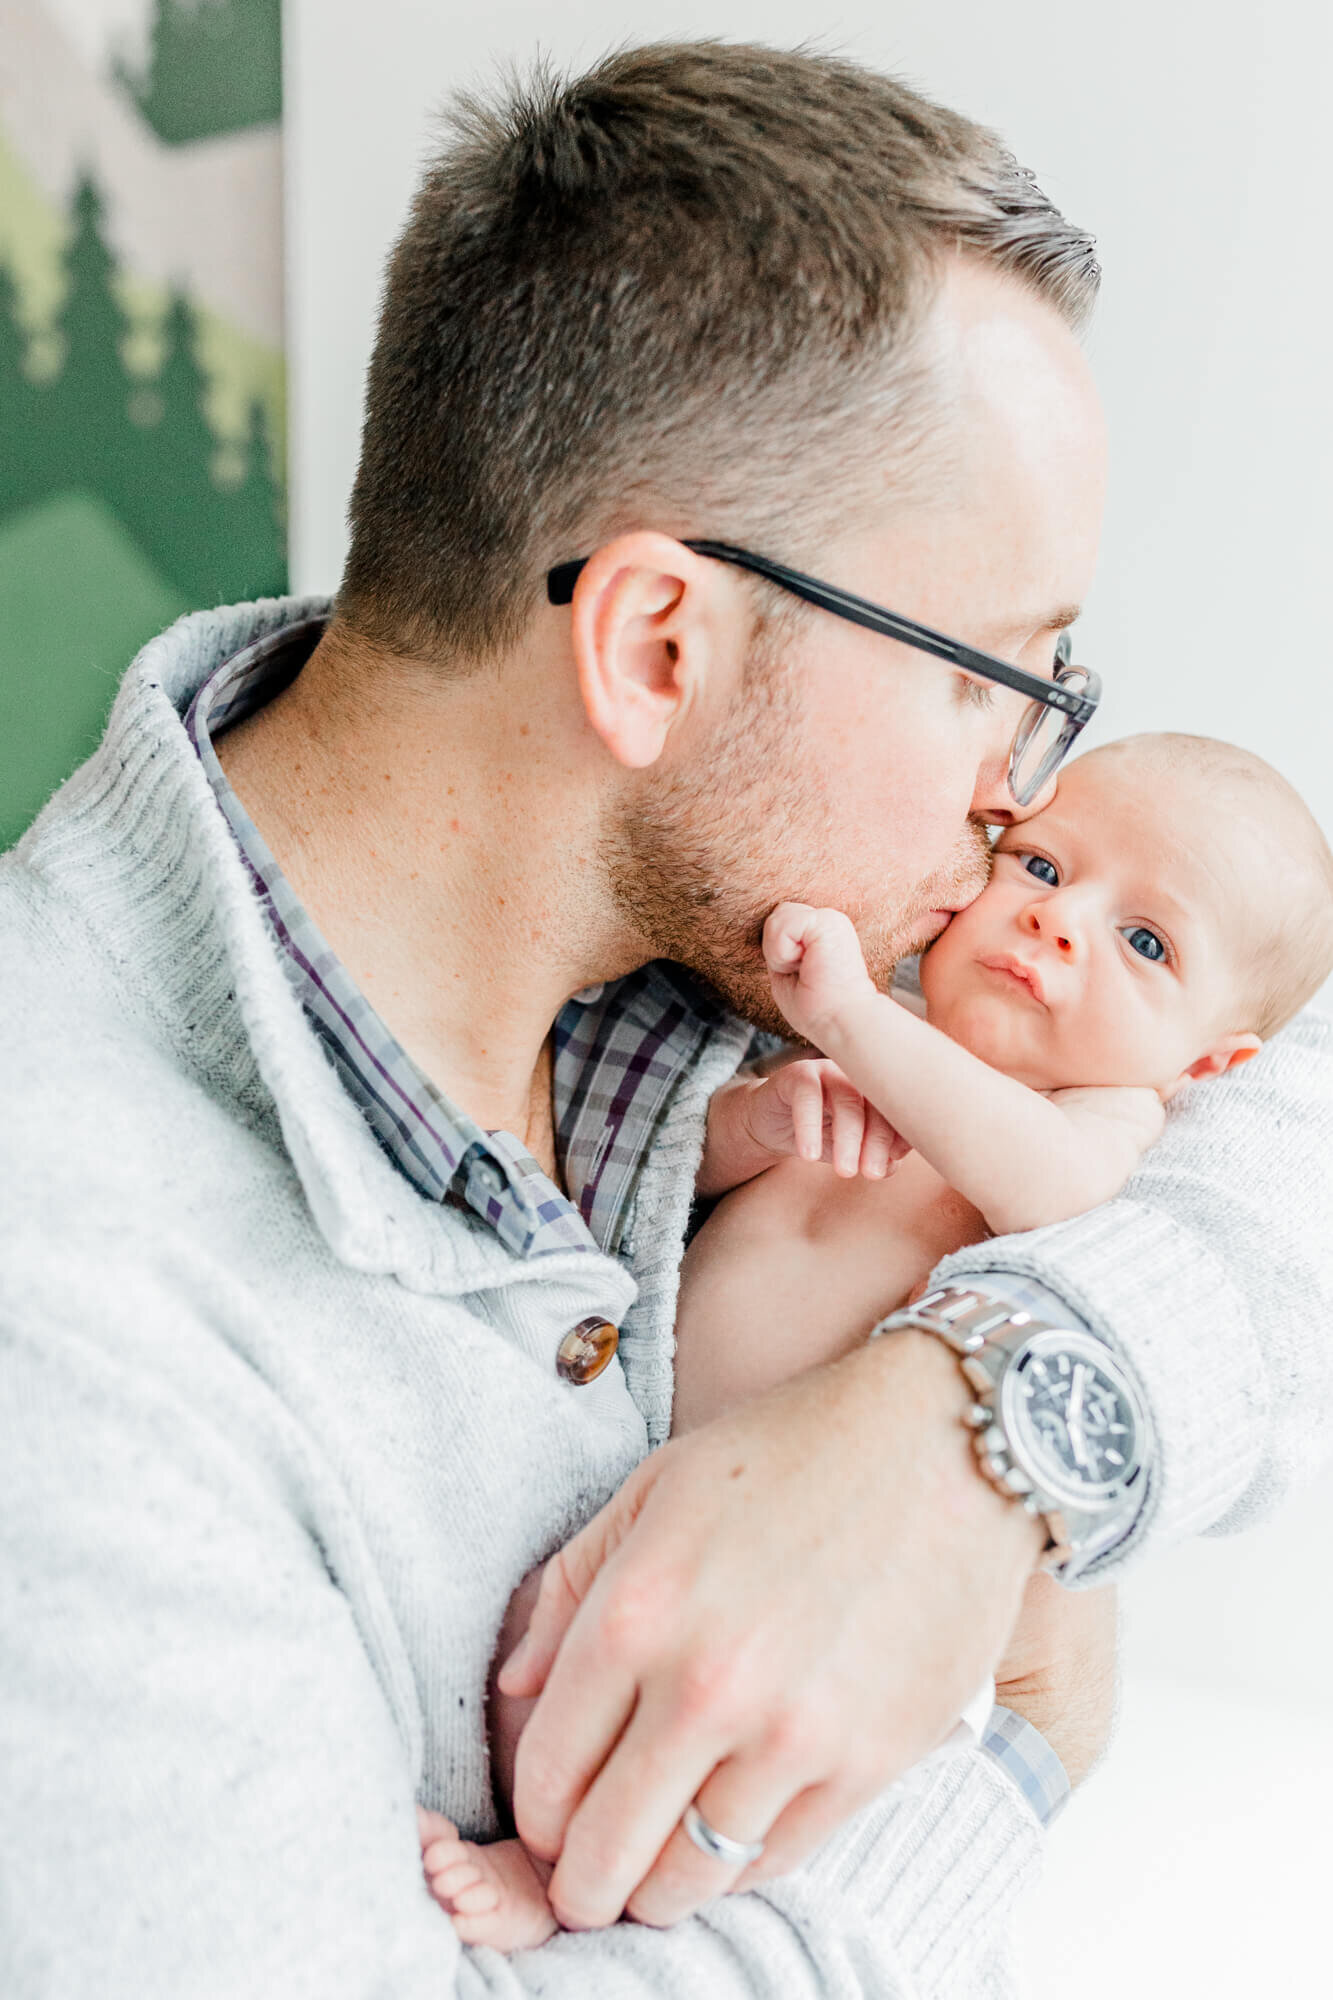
(795, 1108)
(1022, 1158)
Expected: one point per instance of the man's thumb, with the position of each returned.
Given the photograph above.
(566, 1581)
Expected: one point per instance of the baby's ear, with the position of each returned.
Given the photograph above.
(1224, 1055)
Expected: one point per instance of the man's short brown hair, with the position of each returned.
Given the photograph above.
(680, 291)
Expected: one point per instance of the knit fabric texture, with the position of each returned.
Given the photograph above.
(281, 1435)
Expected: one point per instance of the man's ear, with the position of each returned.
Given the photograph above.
(645, 634)
(1224, 1055)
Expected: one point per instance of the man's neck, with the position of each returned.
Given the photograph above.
(427, 827)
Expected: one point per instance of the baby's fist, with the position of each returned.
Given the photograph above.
(815, 964)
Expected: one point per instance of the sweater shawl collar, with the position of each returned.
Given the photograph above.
(136, 840)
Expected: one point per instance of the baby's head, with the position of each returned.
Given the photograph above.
(1167, 912)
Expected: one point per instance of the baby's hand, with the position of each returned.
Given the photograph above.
(810, 1110)
(815, 963)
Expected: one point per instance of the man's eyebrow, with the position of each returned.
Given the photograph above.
(1042, 621)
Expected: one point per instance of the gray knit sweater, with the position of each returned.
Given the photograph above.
(278, 1437)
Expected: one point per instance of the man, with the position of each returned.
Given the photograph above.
(364, 1010)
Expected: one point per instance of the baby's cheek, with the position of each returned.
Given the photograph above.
(1110, 1046)
(934, 968)
(952, 948)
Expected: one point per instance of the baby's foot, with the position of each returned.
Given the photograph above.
(496, 1894)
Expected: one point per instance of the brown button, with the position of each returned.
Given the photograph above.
(586, 1350)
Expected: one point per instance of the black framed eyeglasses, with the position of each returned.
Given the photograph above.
(1058, 709)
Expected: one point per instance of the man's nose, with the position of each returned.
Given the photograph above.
(993, 800)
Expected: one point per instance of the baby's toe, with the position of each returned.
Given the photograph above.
(460, 1871)
(440, 1853)
(478, 1899)
(475, 1929)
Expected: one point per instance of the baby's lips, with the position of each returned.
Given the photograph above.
(1020, 969)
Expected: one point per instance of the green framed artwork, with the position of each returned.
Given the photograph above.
(141, 366)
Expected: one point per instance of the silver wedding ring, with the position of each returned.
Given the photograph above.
(719, 1846)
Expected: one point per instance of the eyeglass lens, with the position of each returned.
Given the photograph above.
(1042, 741)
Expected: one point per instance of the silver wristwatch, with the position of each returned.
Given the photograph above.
(1057, 1421)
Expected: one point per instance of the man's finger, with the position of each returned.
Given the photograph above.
(802, 1826)
(589, 1696)
(583, 1710)
(523, 1674)
(566, 1581)
(742, 1799)
(627, 1814)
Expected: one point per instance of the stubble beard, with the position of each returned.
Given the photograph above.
(698, 859)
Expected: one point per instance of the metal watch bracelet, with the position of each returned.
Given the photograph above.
(1086, 1506)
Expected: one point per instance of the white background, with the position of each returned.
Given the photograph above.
(1192, 139)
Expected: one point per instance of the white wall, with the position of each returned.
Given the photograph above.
(1191, 136)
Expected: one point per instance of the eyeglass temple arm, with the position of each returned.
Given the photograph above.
(859, 611)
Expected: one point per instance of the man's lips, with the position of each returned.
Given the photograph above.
(1017, 972)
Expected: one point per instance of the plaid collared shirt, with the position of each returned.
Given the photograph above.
(620, 1053)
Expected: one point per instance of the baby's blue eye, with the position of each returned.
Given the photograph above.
(1044, 870)
(1145, 942)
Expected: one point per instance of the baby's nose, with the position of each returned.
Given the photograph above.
(1046, 924)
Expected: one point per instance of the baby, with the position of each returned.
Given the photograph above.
(1169, 910)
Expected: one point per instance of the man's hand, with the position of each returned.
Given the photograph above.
(775, 1615)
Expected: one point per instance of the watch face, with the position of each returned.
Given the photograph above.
(1071, 1414)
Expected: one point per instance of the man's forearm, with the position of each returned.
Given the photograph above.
(927, 1372)
(1059, 1670)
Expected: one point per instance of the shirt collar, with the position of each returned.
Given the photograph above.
(621, 1051)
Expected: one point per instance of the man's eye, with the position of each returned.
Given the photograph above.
(977, 694)
(1145, 942)
(1044, 870)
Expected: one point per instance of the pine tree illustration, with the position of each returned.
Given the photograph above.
(255, 531)
(213, 66)
(156, 474)
(22, 478)
(85, 412)
(175, 510)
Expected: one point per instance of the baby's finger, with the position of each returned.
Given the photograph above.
(784, 936)
(806, 1102)
(847, 1112)
(881, 1146)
